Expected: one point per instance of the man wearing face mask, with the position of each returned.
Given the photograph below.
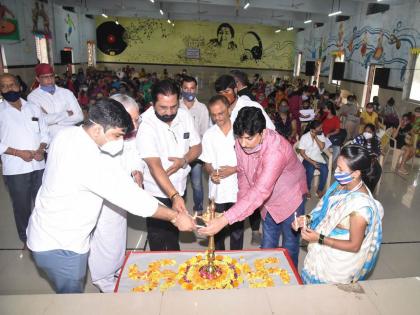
(168, 142)
(59, 105)
(225, 85)
(108, 241)
(270, 177)
(23, 139)
(201, 118)
(77, 179)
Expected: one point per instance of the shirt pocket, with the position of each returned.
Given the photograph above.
(34, 123)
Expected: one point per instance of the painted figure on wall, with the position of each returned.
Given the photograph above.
(225, 37)
(253, 48)
(70, 26)
(340, 41)
(351, 41)
(379, 48)
(363, 48)
(7, 26)
(39, 12)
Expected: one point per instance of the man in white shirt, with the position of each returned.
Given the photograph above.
(200, 115)
(58, 104)
(77, 179)
(23, 139)
(225, 85)
(108, 241)
(311, 145)
(167, 141)
(220, 163)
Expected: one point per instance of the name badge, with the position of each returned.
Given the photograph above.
(186, 135)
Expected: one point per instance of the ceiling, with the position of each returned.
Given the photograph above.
(277, 13)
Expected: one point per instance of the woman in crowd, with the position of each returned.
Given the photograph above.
(310, 146)
(331, 128)
(285, 124)
(344, 231)
(371, 142)
(404, 137)
(389, 114)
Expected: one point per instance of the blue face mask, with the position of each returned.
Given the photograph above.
(48, 88)
(189, 96)
(343, 178)
(11, 96)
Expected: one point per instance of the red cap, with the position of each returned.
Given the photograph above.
(43, 68)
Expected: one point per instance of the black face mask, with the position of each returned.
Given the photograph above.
(11, 96)
(165, 118)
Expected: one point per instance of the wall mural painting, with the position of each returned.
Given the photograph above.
(8, 24)
(194, 43)
(362, 47)
(40, 19)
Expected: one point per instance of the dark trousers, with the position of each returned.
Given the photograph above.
(22, 190)
(255, 220)
(235, 231)
(162, 235)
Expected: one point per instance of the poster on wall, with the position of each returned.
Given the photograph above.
(40, 18)
(9, 29)
(194, 43)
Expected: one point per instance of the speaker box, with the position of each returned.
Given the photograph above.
(310, 68)
(338, 70)
(66, 57)
(381, 77)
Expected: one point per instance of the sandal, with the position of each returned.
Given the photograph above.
(403, 171)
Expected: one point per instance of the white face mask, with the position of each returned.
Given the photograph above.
(113, 147)
(305, 97)
(367, 135)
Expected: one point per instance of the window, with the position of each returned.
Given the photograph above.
(91, 54)
(414, 89)
(298, 61)
(335, 58)
(43, 49)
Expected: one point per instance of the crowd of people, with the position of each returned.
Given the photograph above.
(87, 149)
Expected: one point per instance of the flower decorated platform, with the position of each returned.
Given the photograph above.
(161, 271)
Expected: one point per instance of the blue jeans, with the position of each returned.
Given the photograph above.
(323, 174)
(65, 269)
(197, 184)
(290, 238)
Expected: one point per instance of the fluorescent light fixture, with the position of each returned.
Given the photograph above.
(152, 1)
(104, 15)
(335, 13)
(169, 21)
(277, 31)
(246, 6)
(290, 28)
(173, 24)
(116, 22)
(161, 12)
(308, 21)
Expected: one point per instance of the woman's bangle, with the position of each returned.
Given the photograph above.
(174, 195)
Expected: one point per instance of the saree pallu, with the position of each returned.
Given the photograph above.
(324, 264)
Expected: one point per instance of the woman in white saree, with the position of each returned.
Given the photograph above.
(344, 231)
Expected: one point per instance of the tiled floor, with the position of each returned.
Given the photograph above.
(399, 256)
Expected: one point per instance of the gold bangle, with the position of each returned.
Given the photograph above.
(174, 195)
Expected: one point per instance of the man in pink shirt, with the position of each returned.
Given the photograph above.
(270, 175)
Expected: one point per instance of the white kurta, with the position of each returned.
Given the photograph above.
(158, 139)
(219, 150)
(56, 105)
(200, 115)
(77, 179)
(23, 129)
(108, 242)
(244, 101)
